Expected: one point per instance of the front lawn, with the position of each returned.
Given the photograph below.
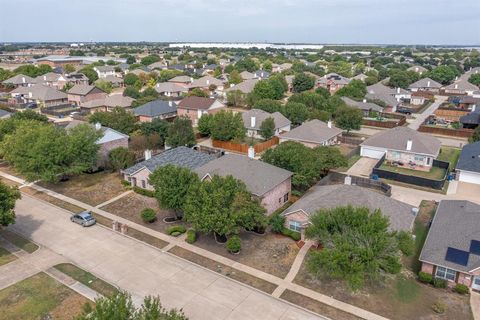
(435, 173)
(40, 297)
(93, 189)
(18, 241)
(6, 256)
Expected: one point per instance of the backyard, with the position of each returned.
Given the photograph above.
(40, 297)
(435, 173)
(90, 188)
(450, 155)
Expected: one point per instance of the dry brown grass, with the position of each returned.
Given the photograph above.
(48, 198)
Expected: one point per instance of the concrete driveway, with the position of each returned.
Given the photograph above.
(143, 270)
(468, 190)
(420, 118)
(363, 167)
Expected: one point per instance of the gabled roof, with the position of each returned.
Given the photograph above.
(314, 131)
(105, 68)
(247, 75)
(82, 89)
(259, 177)
(112, 79)
(19, 79)
(155, 108)
(455, 227)
(109, 134)
(169, 87)
(331, 196)
(260, 116)
(261, 74)
(48, 77)
(118, 100)
(469, 159)
(245, 86)
(181, 79)
(41, 92)
(382, 92)
(335, 78)
(196, 103)
(463, 85)
(425, 83)
(205, 82)
(471, 118)
(180, 156)
(396, 139)
(417, 69)
(362, 105)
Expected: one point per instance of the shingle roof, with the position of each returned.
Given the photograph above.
(260, 116)
(454, 225)
(180, 156)
(471, 118)
(396, 139)
(382, 92)
(105, 68)
(469, 159)
(425, 83)
(19, 79)
(362, 105)
(196, 103)
(417, 69)
(155, 108)
(247, 75)
(41, 92)
(81, 89)
(462, 85)
(169, 87)
(314, 131)
(50, 77)
(259, 177)
(182, 79)
(118, 100)
(109, 134)
(245, 86)
(333, 77)
(113, 79)
(205, 82)
(331, 196)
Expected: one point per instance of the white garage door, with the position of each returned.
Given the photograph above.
(469, 177)
(371, 153)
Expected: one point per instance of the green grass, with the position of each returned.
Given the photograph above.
(407, 289)
(87, 279)
(449, 155)
(19, 241)
(39, 297)
(6, 256)
(420, 230)
(351, 161)
(435, 173)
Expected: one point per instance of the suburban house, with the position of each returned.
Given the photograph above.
(452, 248)
(461, 87)
(403, 146)
(425, 84)
(392, 98)
(108, 103)
(185, 157)
(170, 89)
(182, 80)
(417, 69)
(114, 80)
(104, 71)
(254, 118)
(261, 74)
(77, 78)
(471, 120)
(297, 216)
(110, 140)
(79, 94)
(58, 81)
(20, 80)
(465, 102)
(363, 105)
(194, 107)
(313, 133)
(207, 82)
(61, 60)
(270, 184)
(332, 82)
(156, 109)
(43, 96)
(244, 87)
(281, 67)
(157, 65)
(468, 165)
(245, 75)
(361, 77)
(420, 97)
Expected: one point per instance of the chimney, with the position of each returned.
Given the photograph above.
(191, 79)
(30, 94)
(23, 79)
(428, 84)
(252, 122)
(456, 78)
(416, 69)
(409, 145)
(348, 180)
(456, 85)
(364, 100)
(208, 82)
(44, 78)
(329, 124)
(148, 154)
(98, 126)
(398, 90)
(251, 152)
(170, 103)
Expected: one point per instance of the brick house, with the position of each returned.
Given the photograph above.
(452, 248)
(313, 133)
(43, 96)
(253, 119)
(195, 107)
(270, 184)
(79, 94)
(332, 82)
(156, 109)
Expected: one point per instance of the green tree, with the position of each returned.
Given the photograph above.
(264, 90)
(89, 73)
(356, 89)
(130, 79)
(235, 77)
(180, 133)
(297, 113)
(29, 115)
(227, 126)
(347, 235)
(246, 64)
(236, 98)
(171, 184)
(197, 92)
(119, 119)
(443, 74)
(121, 158)
(104, 85)
(267, 128)
(205, 124)
(8, 198)
(348, 118)
(68, 68)
(269, 105)
(303, 82)
(475, 136)
(475, 79)
(267, 65)
(156, 126)
(131, 92)
(148, 60)
(131, 60)
(82, 148)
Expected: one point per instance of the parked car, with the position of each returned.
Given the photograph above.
(404, 110)
(84, 219)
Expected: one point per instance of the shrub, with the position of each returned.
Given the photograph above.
(144, 192)
(461, 288)
(439, 307)
(277, 222)
(127, 184)
(425, 277)
(392, 265)
(292, 234)
(439, 283)
(191, 236)
(234, 244)
(176, 229)
(406, 244)
(148, 215)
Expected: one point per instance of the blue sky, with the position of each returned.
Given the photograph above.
(321, 21)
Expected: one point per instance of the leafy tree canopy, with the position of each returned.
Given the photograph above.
(303, 82)
(119, 119)
(227, 126)
(180, 133)
(8, 198)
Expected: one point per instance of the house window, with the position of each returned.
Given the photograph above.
(144, 185)
(428, 161)
(285, 197)
(445, 273)
(294, 225)
(419, 158)
(396, 154)
(279, 200)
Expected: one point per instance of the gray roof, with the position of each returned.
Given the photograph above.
(105, 68)
(118, 100)
(180, 156)
(382, 92)
(362, 105)
(247, 75)
(454, 225)
(425, 83)
(471, 118)
(205, 82)
(333, 77)
(109, 134)
(417, 69)
(245, 86)
(19, 79)
(462, 85)
(112, 79)
(396, 139)
(169, 87)
(48, 77)
(81, 89)
(155, 108)
(260, 116)
(259, 177)
(182, 79)
(469, 159)
(41, 92)
(331, 196)
(314, 131)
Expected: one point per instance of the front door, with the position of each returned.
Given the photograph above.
(476, 283)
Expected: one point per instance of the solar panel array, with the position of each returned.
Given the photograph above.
(461, 257)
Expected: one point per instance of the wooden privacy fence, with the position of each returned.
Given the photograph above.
(462, 133)
(243, 147)
(395, 120)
